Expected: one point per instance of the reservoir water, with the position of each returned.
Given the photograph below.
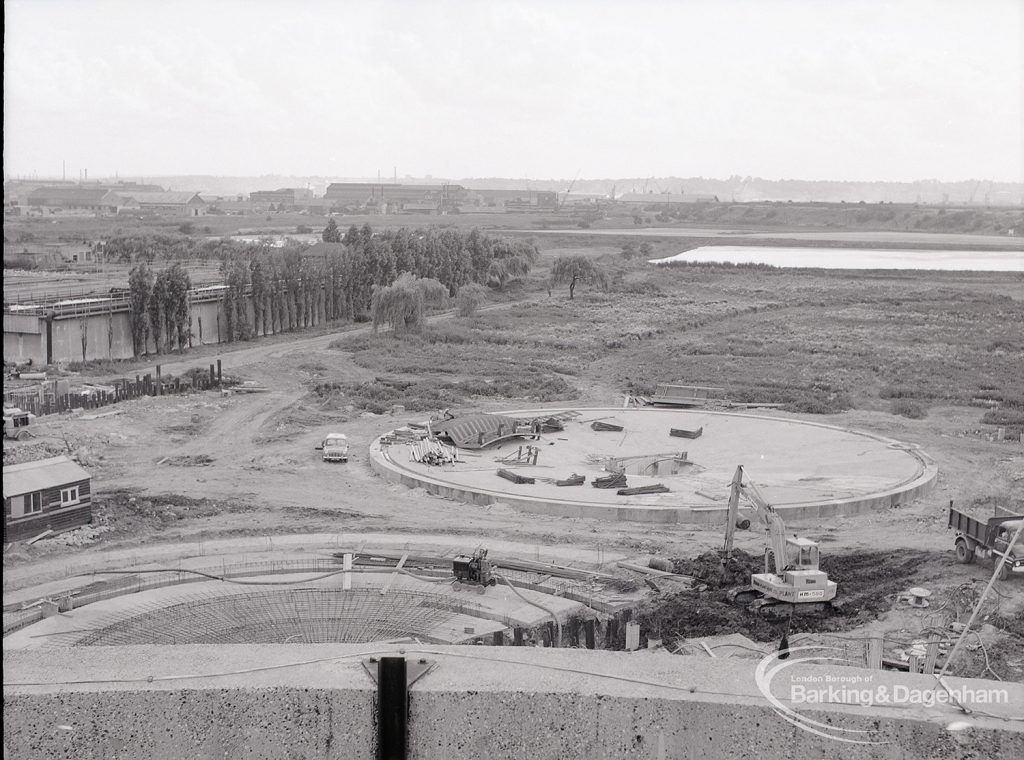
(852, 258)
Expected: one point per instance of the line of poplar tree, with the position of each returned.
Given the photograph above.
(159, 308)
(296, 287)
(271, 290)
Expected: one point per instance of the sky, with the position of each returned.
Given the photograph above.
(857, 90)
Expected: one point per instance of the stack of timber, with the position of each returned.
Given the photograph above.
(681, 433)
(604, 427)
(516, 477)
(640, 490)
(573, 480)
(403, 435)
(615, 480)
(433, 452)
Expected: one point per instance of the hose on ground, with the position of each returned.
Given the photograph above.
(538, 605)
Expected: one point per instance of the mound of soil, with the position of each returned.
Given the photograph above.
(709, 569)
(689, 614)
(868, 583)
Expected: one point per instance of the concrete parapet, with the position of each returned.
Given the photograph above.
(317, 701)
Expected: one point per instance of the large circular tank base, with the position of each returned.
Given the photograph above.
(806, 469)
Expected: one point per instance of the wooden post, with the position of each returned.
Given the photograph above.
(874, 654)
(517, 637)
(611, 639)
(219, 378)
(159, 382)
(588, 633)
(931, 654)
(213, 376)
(574, 632)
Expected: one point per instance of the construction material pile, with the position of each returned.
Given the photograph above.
(515, 477)
(642, 490)
(403, 435)
(615, 480)
(433, 452)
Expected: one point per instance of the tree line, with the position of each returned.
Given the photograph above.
(159, 308)
(270, 290)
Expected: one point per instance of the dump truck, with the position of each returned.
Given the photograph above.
(335, 448)
(988, 539)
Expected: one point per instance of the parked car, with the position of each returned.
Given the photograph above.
(335, 448)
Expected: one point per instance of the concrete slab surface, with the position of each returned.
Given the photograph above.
(803, 468)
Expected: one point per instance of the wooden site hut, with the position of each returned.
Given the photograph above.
(48, 494)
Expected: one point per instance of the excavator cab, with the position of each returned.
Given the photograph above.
(802, 554)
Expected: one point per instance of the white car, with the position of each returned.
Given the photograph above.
(335, 448)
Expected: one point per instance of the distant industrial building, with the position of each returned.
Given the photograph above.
(515, 201)
(285, 196)
(394, 198)
(100, 199)
(541, 201)
(665, 199)
(48, 494)
(172, 203)
(48, 255)
(92, 200)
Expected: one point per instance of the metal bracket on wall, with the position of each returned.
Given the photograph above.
(414, 670)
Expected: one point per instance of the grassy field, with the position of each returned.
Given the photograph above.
(743, 217)
(817, 342)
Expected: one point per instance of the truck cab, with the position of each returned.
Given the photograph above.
(335, 448)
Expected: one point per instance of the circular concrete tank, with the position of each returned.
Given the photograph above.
(806, 469)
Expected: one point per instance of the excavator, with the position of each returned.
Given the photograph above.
(791, 582)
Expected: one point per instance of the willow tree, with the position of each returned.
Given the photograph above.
(403, 304)
(573, 270)
(469, 298)
(510, 260)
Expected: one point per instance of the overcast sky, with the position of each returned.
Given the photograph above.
(810, 89)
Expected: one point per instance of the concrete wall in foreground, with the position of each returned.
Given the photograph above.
(317, 701)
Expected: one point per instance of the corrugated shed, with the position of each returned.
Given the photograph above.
(465, 432)
(168, 198)
(49, 196)
(40, 475)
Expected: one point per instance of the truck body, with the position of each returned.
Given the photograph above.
(988, 539)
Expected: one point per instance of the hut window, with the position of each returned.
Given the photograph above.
(69, 496)
(33, 502)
